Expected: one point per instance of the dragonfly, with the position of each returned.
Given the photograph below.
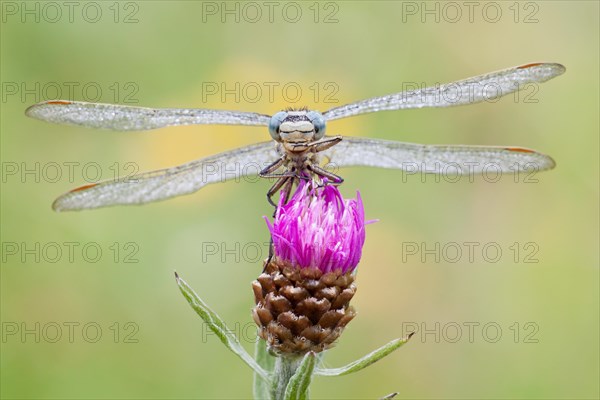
(298, 144)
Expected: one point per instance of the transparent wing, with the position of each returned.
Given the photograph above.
(438, 159)
(128, 118)
(170, 182)
(480, 88)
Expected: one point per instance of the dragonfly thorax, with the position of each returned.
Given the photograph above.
(297, 126)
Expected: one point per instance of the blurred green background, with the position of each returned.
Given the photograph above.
(506, 329)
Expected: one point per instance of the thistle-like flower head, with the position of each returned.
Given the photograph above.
(303, 295)
(318, 228)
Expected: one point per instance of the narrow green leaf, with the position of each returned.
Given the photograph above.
(216, 324)
(297, 388)
(267, 362)
(365, 361)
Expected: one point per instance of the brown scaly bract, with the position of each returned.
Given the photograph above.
(301, 309)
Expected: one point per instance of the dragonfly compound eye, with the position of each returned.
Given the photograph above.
(274, 124)
(318, 121)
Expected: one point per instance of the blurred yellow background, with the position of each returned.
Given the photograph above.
(87, 325)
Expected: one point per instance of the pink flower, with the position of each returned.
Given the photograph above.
(318, 228)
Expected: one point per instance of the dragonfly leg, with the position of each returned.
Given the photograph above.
(317, 146)
(323, 173)
(325, 144)
(269, 169)
(287, 189)
(281, 175)
(280, 182)
(271, 252)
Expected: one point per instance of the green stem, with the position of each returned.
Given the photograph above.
(285, 368)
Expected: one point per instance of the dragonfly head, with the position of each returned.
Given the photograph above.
(297, 126)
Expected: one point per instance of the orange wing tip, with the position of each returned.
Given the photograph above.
(84, 187)
(62, 102)
(549, 161)
(31, 109)
(558, 69)
(57, 206)
(519, 150)
(529, 65)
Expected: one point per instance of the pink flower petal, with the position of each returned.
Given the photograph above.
(317, 227)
